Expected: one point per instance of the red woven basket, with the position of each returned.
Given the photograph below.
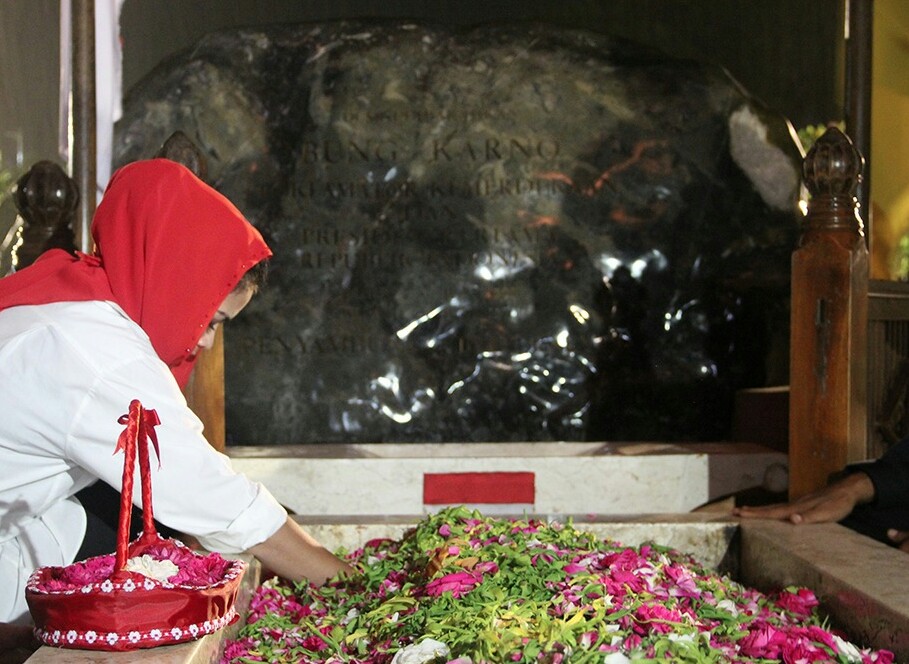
(99, 604)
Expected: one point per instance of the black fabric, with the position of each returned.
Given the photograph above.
(890, 508)
(890, 476)
(102, 508)
(874, 522)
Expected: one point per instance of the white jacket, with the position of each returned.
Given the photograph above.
(68, 371)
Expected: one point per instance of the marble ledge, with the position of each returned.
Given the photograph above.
(861, 583)
(204, 651)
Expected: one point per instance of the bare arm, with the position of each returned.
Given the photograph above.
(829, 504)
(294, 554)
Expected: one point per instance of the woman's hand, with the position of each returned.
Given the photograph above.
(830, 504)
(293, 554)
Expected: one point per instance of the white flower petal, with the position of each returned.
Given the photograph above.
(419, 653)
(160, 570)
(848, 650)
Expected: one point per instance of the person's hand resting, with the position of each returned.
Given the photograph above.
(900, 538)
(829, 504)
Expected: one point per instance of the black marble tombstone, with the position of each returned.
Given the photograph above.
(506, 233)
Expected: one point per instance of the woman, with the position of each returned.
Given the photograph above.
(81, 337)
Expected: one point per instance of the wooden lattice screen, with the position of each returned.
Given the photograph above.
(888, 365)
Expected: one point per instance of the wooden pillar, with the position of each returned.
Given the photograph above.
(83, 151)
(859, 44)
(205, 392)
(829, 313)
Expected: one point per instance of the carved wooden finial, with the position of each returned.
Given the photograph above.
(180, 148)
(46, 198)
(832, 171)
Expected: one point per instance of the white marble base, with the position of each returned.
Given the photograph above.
(569, 478)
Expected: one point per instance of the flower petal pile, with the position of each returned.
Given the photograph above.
(167, 561)
(478, 590)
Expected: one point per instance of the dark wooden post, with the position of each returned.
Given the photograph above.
(85, 120)
(205, 392)
(829, 314)
(858, 95)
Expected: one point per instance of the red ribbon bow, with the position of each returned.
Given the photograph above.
(146, 422)
(140, 425)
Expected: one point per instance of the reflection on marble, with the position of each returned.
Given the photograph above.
(507, 233)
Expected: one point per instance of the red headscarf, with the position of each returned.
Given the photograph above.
(169, 249)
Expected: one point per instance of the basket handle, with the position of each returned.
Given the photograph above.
(140, 428)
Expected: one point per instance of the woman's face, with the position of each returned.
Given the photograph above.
(232, 305)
